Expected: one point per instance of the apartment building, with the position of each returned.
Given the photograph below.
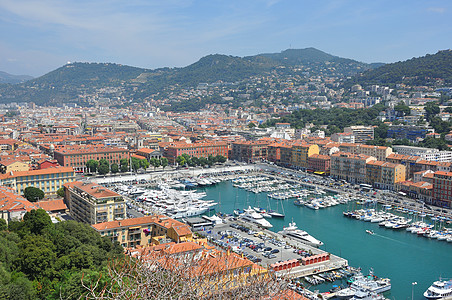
(408, 161)
(361, 133)
(319, 163)
(203, 149)
(250, 151)
(380, 152)
(48, 180)
(430, 154)
(92, 204)
(350, 167)
(343, 137)
(144, 231)
(301, 152)
(442, 189)
(76, 156)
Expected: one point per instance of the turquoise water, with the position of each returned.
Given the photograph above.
(399, 255)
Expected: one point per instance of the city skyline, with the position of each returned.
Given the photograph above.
(38, 37)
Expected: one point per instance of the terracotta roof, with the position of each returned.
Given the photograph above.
(10, 201)
(52, 205)
(94, 190)
(161, 220)
(52, 170)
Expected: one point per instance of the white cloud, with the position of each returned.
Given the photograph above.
(439, 10)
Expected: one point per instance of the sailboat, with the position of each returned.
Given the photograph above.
(277, 214)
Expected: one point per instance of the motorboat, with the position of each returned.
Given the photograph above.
(439, 289)
(292, 231)
(370, 232)
(250, 215)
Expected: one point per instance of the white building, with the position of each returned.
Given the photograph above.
(430, 154)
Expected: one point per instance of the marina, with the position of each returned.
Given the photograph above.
(385, 250)
(362, 244)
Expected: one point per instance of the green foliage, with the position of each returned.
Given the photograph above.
(155, 162)
(135, 163)
(114, 168)
(92, 165)
(124, 164)
(416, 71)
(60, 192)
(66, 83)
(33, 194)
(164, 162)
(103, 169)
(337, 117)
(3, 225)
(251, 125)
(37, 220)
(402, 109)
(144, 163)
(431, 110)
(39, 264)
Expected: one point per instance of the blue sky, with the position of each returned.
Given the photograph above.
(39, 36)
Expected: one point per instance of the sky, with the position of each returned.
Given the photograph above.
(37, 37)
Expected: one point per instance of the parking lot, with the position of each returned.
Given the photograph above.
(256, 245)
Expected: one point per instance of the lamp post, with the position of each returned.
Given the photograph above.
(412, 289)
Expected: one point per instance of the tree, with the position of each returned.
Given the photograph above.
(155, 163)
(36, 257)
(164, 162)
(3, 225)
(60, 192)
(172, 277)
(114, 168)
(135, 163)
(180, 160)
(251, 125)
(103, 169)
(33, 194)
(124, 164)
(144, 163)
(431, 110)
(221, 159)
(92, 165)
(37, 220)
(402, 109)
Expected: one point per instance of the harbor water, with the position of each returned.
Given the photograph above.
(397, 254)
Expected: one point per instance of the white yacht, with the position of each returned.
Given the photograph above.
(252, 216)
(439, 289)
(292, 231)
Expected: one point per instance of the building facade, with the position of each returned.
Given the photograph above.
(319, 163)
(144, 231)
(92, 204)
(76, 156)
(361, 133)
(350, 167)
(430, 154)
(442, 189)
(48, 180)
(300, 154)
(196, 150)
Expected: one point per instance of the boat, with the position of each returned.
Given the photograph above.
(367, 295)
(250, 215)
(439, 289)
(361, 285)
(292, 231)
(370, 232)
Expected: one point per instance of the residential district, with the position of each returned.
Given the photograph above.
(64, 151)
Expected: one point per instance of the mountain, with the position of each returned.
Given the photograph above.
(423, 70)
(8, 78)
(69, 82)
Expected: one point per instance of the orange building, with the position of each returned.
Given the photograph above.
(76, 156)
(203, 149)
